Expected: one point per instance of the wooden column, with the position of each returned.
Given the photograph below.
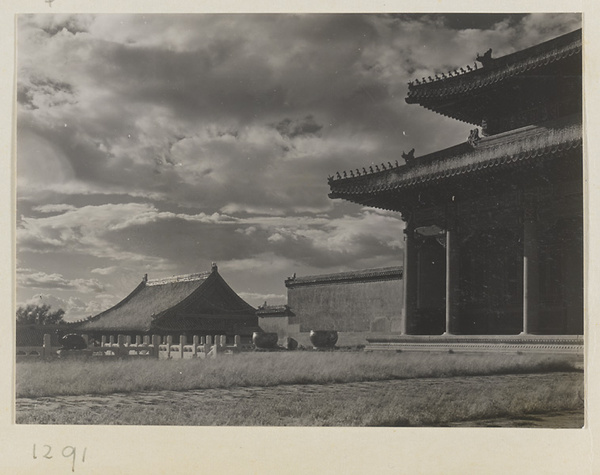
(531, 294)
(404, 286)
(452, 270)
(452, 253)
(409, 280)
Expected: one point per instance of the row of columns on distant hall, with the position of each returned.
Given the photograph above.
(452, 245)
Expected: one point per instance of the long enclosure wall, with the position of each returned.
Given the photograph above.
(350, 303)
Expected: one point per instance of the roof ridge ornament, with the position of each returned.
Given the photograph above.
(486, 58)
(375, 168)
(409, 157)
(179, 278)
(474, 138)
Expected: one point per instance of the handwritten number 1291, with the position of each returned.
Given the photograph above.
(68, 451)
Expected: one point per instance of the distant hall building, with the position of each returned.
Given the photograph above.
(193, 304)
(494, 225)
(368, 300)
(278, 319)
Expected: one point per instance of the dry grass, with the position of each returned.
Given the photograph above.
(416, 402)
(36, 379)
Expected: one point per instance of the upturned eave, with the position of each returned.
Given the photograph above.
(496, 71)
(518, 148)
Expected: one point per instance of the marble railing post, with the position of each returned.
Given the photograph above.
(195, 343)
(121, 346)
(169, 343)
(155, 343)
(182, 343)
(47, 346)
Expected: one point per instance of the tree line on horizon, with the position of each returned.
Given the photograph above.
(32, 314)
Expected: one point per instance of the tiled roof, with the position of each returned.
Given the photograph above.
(365, 275)
(201, 276)
(179, 303)
(274, 311)
(514, 148)
(499, 69)
(147, 302)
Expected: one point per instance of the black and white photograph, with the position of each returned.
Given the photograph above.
(367, 220)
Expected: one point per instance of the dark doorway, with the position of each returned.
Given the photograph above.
(491, 275)
(561, 279)
(431, 287)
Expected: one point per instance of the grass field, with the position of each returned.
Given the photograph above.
(299, 389)
(410, 402)
(105, 376)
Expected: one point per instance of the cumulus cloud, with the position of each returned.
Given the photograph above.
(160, 143)
(54, 208)
(256, 299)
(322, 242)
(41, 280)
(211, 109)
(75, 308)
(105, 270)
(89, 229)
(266, 262)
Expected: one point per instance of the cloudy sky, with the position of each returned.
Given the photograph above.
(161, 143)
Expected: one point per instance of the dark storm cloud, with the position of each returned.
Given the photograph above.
(466, 21)
(25, 97)
(54, 93)
(294, 128)
(136, 98)
(69, 25)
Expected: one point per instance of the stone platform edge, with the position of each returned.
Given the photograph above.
(554, 344)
